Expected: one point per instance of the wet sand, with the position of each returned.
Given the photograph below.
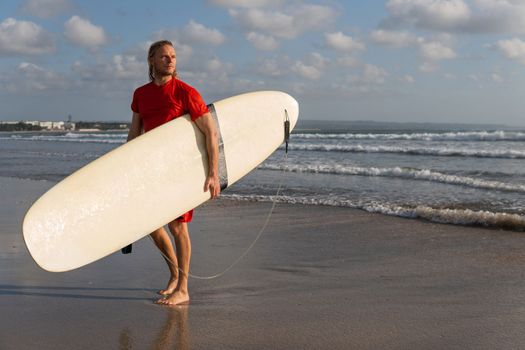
(319, 278)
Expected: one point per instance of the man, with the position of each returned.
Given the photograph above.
(163, 99)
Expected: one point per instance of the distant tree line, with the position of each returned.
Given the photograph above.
(20, 126)
(101, 125)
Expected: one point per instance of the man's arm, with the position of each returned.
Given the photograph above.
(136, 127)
(206, 124)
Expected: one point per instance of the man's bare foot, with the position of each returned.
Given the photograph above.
(172, 285)
(177, 298)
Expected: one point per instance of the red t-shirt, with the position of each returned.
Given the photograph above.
(157, 105)
(160, 104)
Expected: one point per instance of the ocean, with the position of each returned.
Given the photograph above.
(454, 174)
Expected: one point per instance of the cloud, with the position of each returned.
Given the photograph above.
(428, 67)
(431, 51)
(82, 32)
(29, 78)
(217, 71)
(194, 31)
(498, 16)
(348, 61)
(214, 65)
(24, 38)
(131, 64)
(312, 68)
(369, 79)
(276, 23)
(262, 42)
(271, 67)
(191, 34)
(435, 51)
(209, 75)
(432, 14)
(286, 24)
(374, 74)
(306, 71)
(129, 67)
(396, 39)
(117, 74)
(409, 79)
(476, 16)
(40, 78)
(342, 42)
(245, 3)
(513, 49)
(497, 78)
(46, 8)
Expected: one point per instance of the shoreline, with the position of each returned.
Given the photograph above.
(319, 277)
(478, 218)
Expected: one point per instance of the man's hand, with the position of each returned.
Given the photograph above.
(213, 185)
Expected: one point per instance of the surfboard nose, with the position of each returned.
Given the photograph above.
(286, 102)
(292, 107)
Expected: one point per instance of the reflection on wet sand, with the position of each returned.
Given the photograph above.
(173, 334)
(125, 340)
(175, 325)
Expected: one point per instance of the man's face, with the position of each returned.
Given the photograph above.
(164, 61)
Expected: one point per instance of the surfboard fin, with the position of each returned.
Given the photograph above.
(127, 249)
(286, 130)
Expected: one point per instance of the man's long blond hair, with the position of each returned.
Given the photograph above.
(151, 53)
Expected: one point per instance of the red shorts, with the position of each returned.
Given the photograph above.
(186, 217)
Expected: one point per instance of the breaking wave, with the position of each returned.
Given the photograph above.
(465, 217)
(448, 136)
(425, 151)
(398, 172)
(72, 137)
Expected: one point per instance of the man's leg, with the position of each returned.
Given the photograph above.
(163, 242)
(179, 230)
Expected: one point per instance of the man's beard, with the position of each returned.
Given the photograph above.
(163, 73)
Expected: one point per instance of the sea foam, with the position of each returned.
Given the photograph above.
(438, 215)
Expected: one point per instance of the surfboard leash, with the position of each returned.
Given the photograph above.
(266, 221)
(247, 250)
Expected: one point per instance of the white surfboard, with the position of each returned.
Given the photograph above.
(144, 184)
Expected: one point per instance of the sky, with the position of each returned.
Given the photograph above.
(460, 61)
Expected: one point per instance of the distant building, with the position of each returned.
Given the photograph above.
(69, 125)
(46, 125)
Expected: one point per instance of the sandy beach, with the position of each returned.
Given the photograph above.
(319, 278)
